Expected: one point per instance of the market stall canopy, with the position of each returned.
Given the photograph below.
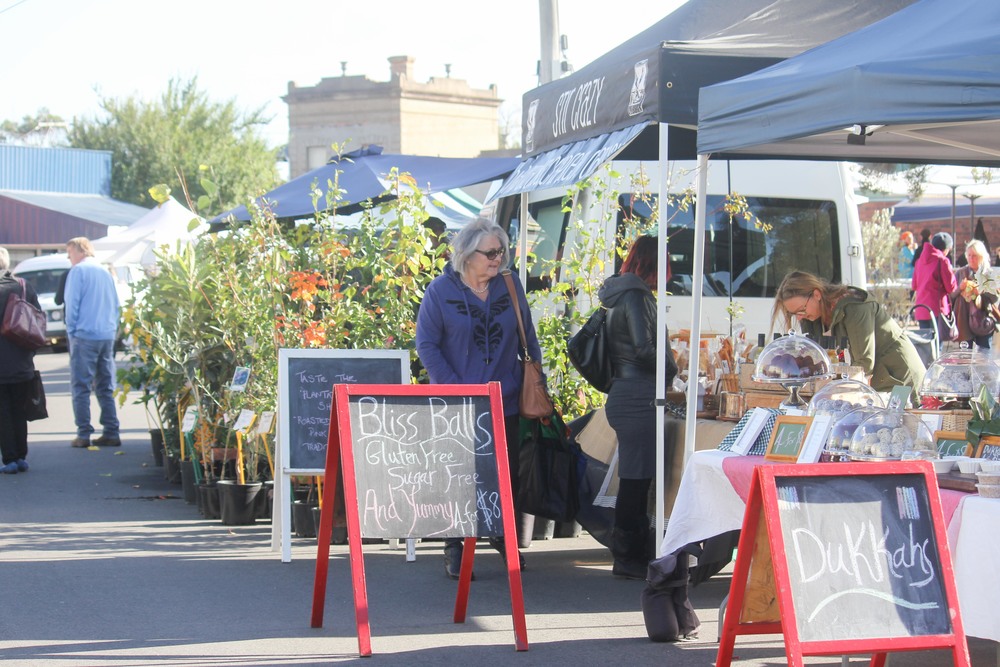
(355, 178)
(920, 86)
(612, 106)
(164, 224)
(939, 208)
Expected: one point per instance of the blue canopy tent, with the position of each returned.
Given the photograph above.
(920, 86)
(363, 176)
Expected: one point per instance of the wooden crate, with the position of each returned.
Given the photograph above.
(765, 399)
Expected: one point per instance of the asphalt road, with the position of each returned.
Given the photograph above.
(103, 564)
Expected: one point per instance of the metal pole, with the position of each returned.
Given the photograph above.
(953, 240)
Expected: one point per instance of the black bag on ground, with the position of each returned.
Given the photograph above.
(549, 470)
(666, 609)
(34, 399)
(588, 351)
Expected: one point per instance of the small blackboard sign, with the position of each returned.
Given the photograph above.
(842, 559)
(305, 395)
(425, 466)
(863, 558)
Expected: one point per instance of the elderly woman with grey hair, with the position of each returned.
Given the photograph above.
(17, 369)
(467, 334)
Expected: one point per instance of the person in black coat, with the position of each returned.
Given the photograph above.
(631, 335)
(17, 370)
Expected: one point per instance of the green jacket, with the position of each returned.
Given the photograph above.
(876, 342)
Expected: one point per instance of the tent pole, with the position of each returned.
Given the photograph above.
(661, 336)
(697, 285)
(522, 242)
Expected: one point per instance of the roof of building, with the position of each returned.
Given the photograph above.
(95, 208)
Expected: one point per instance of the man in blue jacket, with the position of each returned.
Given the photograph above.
(92, 311)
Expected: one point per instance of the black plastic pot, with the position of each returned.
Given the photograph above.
(237, 502)
(208, 500)
(172, 470)
(265, 500)
(156, 441)
(302, 519)
(188, 482)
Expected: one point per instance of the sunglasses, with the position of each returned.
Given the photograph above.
(492, 254)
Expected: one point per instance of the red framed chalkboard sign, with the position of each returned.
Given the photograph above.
(418, 461)
(842, 559)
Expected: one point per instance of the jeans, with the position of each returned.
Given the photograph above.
(92, 365)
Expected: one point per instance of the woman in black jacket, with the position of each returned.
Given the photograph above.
(631, 329)
(17, 369)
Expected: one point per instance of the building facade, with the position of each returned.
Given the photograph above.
(444, 117)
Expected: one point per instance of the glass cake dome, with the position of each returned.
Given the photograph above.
(839, 397)
(960, 374)
(791, 359)
(890, 435)
(838, 444)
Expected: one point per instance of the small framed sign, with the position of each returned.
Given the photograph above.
(787, 438)
(989, 448)
(952, 443)
(819, 431)
(751, 430)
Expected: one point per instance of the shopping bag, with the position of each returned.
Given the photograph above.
(549, 470)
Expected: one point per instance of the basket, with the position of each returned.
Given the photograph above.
(951, 420)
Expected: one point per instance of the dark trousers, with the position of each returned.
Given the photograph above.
(13, 425)
(632, 503)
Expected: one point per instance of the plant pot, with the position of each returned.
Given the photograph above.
(237, 502)
(208, 500)
(302, 520)
(568, 529)
(188, 482)
(265, 500)
(156, 441)
(339, 533)
(172, 470)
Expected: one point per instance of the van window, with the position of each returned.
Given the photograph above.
(741, 260)
(546, 236)
(45, 281)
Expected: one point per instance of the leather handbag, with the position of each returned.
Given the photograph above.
(588, 351)
(23, 322)
(534, 401)
(982, 322)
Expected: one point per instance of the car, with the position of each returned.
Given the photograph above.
(44, 274)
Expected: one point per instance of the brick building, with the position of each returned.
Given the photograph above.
(444, 117)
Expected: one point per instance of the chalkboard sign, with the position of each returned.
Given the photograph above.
(305, 395)
(862, 557)
(425, 466)
(855, 558)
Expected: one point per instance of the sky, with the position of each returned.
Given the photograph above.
(66, 54)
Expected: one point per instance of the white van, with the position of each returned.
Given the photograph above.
(810, 207)
(44, 274)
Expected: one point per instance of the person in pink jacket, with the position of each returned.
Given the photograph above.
(933, 280)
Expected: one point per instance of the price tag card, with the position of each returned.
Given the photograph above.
(244, 421)
(265, 422)
(240, 378)
(190, 419)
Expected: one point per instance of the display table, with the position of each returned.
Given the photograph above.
(712, 498)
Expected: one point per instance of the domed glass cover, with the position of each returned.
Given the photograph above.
(891, 434)
(791, 359)
(839, 397)
(960, 374)
(839, 441)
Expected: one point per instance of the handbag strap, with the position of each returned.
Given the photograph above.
(509, 279)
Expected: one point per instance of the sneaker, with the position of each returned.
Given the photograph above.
(108, 441)
(9, 469)
(22, 465)
(80, 442)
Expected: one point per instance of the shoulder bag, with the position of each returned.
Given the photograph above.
(588, 351)
(23, 323)
(534, 402)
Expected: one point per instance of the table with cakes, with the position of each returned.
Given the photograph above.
(847, 420)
